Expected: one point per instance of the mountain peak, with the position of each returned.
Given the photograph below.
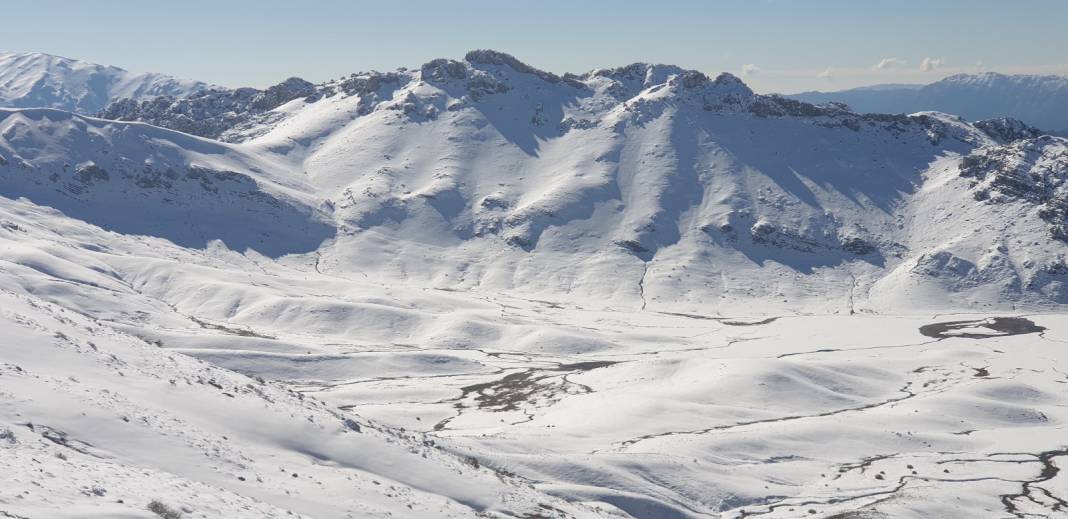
(1007, 129)
(34, 79)
(649, 74)
(726, 78)
(44, 57)
(493, 57)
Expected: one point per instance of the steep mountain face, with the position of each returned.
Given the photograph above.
(1041, 101)
(42, 80)
(645, 184)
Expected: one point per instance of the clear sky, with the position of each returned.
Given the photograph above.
(775, 45)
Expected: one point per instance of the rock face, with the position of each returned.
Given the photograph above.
(237, 114)
(1034, 170)
(29, 80)
(211, 113)
(1007, 129)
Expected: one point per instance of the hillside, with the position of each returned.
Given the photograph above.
(98, 423)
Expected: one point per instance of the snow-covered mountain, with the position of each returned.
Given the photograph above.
(1041, 101)
(647, 185)
(42, 80)
(686, 191)
(477, 288)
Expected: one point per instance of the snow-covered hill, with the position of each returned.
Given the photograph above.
(46, 81)
(1041, 101)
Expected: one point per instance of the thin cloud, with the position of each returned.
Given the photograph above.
(929, 64)
(750, 69)
(827, 73)
(886, 63)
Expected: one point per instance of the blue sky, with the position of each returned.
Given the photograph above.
(775, 45)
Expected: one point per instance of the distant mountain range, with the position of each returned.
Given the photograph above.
(36, 80)
(1041, 101)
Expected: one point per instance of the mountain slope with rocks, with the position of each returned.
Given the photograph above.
(687, 191)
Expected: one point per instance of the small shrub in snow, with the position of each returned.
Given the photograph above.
(157, 507)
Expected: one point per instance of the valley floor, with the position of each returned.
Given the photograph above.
(691, 416)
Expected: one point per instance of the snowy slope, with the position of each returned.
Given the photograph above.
(1041, 101)
(137, 179)
(97, 423)
(47, 81)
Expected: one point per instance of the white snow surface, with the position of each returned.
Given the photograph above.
(33, 79)
(479, 289)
